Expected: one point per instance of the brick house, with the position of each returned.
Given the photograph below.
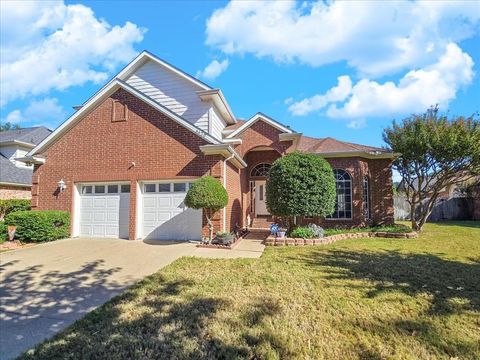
(16, 176)
(123, 162)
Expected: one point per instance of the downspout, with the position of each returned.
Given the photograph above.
(225, 186)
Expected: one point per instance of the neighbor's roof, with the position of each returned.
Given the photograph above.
(32, 135)
(331, 145)
(12, 174)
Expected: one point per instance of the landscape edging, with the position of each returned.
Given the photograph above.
(286, 241)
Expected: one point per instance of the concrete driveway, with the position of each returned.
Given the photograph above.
(47, 287)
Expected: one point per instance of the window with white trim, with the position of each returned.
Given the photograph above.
(343, 203)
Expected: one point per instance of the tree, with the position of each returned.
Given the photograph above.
(208, 194)
(9, 126)
(435, 152)
(300, 184)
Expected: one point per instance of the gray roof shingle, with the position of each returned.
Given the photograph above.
(33, 135)
(9, 173)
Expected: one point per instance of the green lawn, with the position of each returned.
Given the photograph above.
(355, 299)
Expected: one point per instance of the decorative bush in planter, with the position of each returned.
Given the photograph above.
(39, 226)
(224, 238)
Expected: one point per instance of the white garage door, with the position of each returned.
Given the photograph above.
(165, 216)
(104, 210)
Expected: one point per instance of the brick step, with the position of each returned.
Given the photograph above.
(262, 222)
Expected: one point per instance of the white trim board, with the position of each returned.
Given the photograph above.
(259, 117)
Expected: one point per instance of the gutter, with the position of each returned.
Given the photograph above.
(226, 151)
(359, 153)
(15, 184)
(31, 159)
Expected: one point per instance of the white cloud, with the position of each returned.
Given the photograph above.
(45, 112)
(48, 46)
(357, 124)
(416, 91)
(213, 70)
(373, 37)
(317, 102)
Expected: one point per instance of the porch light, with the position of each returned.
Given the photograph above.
(61, 185)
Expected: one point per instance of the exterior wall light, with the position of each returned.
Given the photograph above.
(61, 185)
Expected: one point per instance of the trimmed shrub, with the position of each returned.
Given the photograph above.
(13, 205)
(302, 232)
(300, 184)
(39, 226)
(317, 230)
(209, 194)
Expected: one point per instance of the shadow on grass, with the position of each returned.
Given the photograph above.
(153, 320)
(445, 281)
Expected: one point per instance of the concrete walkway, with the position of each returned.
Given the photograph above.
(47, 287)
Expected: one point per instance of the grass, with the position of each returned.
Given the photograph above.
(354, 299)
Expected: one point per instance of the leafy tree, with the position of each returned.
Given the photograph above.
(8, 126)
(208, 194)
(435, 152)
(300, 184)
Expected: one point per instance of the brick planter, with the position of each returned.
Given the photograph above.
(274, 241)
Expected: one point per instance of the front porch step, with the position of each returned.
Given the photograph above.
(263, 222)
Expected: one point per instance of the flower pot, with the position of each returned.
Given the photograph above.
(281, 234)
(11, 232)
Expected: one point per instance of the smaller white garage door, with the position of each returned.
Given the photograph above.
(165, 216)
(104, 210)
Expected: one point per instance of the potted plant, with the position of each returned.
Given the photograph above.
(281, 232)
(224, 238)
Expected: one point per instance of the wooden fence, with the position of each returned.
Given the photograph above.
(456, 208)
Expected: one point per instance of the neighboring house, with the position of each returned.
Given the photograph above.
(129, 154)
(16, 176)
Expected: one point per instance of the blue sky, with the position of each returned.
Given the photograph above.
(340, 69)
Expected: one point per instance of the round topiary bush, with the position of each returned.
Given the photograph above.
(300, 184)
(207, 193)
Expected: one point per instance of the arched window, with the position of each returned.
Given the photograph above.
(343, 205)
(260, 170)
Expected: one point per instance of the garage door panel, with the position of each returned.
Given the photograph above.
(104, 215)
(149, 202)
(164, 203)
(172, 221)
(112, 202)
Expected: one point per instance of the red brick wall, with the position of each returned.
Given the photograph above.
(380, 192)
(14, 192)
(262, 134)
(97, 149)
(235, 201)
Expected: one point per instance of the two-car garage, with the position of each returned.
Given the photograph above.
(103, 210)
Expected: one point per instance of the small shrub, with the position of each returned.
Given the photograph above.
(3, 232)
(39, 226)
(317, 230)
(302, 232)
(13, 205)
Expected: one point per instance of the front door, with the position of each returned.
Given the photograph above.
(260, 198)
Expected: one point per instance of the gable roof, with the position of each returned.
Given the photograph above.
(260, 117)
(14, 175)
(27, 136)
(104, 93)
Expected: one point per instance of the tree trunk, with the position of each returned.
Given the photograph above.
(210, 226)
